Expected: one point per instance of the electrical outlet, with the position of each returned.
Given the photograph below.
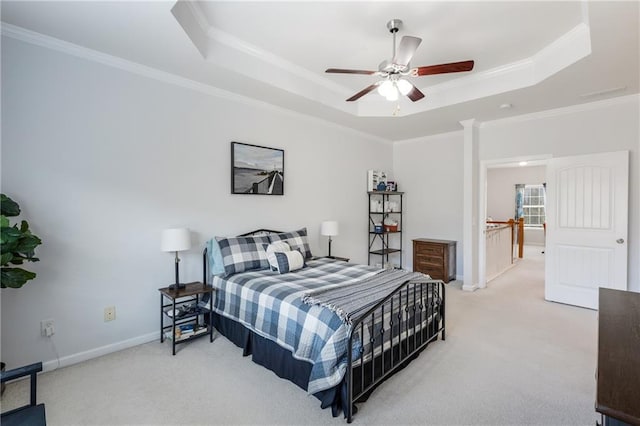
(109, 313)
(47, 328)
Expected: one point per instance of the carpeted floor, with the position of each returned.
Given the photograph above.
(510, 358)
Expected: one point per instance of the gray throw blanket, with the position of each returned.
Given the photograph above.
(353, 300)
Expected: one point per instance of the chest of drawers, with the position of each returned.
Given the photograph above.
(436, 258)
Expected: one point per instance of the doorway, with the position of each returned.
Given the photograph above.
(586, 232)
(513, 189)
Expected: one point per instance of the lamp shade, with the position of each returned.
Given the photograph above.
(329, 228)
(177, 239)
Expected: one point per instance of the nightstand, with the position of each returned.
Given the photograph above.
(344, 259)
(183, 313)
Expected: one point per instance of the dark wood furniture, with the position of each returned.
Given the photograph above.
(32, 414)
(185, 308)
(385, 242)
(436, 258)
(618, 374)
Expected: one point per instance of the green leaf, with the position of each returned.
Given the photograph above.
(8, 207)
(17, 259)
(15, 277)
(27, 243)
(9, 235)
(4, 221)
(6, 258)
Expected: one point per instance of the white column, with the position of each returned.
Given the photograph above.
(470, 205)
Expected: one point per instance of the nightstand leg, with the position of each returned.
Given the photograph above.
(173, 320)
(161, 319)
(211, 316)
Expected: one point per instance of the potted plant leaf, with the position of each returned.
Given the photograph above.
(18, 246)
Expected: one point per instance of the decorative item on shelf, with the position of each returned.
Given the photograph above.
(390, 225)
(376, 206)
(329, 229)
(391, 185)
(377, 228)
(176, 239)
(381, 186)
(374, 178)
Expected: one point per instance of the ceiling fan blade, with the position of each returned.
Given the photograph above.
(443, 68)
(406, 49)
(341, 71)
(415, 94)
(363, 92)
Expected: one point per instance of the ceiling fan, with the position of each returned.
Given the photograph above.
(394, 70)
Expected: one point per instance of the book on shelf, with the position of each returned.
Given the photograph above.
(187, 333)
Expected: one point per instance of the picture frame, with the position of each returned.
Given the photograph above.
(391, 185)
(375, 177)
(256, 170)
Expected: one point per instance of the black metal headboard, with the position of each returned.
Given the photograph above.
(260, 232)
(248, 234)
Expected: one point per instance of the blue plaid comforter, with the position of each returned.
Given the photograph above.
(271, 305)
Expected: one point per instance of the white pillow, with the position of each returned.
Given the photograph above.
(277, 246)
(288, 261)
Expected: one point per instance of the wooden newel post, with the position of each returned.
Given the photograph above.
(520, 237)
(512, 224)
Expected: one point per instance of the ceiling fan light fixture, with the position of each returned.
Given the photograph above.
(392, 71)
(404, 86)
(385, 88)
(392, 94)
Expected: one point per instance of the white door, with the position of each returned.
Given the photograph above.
(586, 245)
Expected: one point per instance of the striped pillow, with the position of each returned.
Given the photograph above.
(289, 261)
(297, 240)
(241, 254)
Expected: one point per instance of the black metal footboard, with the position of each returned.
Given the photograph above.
(390, 334)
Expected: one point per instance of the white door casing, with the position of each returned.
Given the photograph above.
(586, 214)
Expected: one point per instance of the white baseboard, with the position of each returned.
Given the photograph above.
(97, 352)
(472, 287)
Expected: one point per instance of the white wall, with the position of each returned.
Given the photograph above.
(501, 201)
(611, 125)
(101, 160)
(430, 172)
(501, 181)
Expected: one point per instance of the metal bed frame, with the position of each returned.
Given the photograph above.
(395, 339)
(386, 355)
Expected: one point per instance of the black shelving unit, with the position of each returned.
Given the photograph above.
(176, 314)
(385, 243)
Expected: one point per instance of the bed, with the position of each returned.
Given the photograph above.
(335, 329)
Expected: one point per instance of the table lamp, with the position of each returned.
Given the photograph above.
(329, 229)
(177, 239)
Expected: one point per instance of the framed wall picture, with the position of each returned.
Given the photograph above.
(256, 169)
(374, 178)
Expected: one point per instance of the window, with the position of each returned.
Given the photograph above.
(533, 205)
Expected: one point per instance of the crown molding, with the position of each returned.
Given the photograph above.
(572, 109)
(222, 37)
(560, 53)
(51, 43)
